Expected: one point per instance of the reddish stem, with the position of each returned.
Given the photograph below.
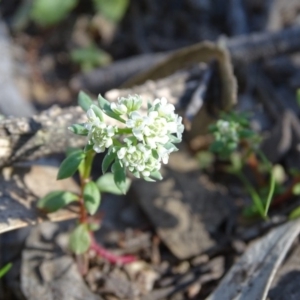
(112, 258)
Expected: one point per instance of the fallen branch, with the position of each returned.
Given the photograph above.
(243, 48)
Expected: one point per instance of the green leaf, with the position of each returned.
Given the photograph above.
(149, 179)
(5, 269)
(216, 146)
(88, 147)
(296, 189)
(78, 129)
(156, 175)
(174, 139)
(98, 112)
(92, 197)
(84, 101)
(295, 213)
(106, 184)
(90, 57)
(105, 106)
(119, 176)
(49, 12)
(70, 164)
(113, 10)
(56, 200)
(80, 239)
(107, 161)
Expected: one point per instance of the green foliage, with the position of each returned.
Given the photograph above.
(5, 269)
(229, 131)
(56, 200)
(84, 101)
(205, 159)
(113, 10)
(107, 161)
(92, 197)
(98, 112)
(50, 12)
(106, 184)
(90, 57)
(105, 106)
(80, 239)
(296, 189)
(70, 164)
(295, 213)
(78, 129)
(156, 175)
(119, 176)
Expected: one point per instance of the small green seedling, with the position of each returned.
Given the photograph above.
(237, 143)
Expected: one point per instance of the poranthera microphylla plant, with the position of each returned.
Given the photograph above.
(139, 145)
(232, 132)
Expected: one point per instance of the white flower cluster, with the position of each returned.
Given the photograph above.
(154, 135)
(100, 135)
(228, 131)
(149, 138)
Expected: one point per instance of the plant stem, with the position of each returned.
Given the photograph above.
(254, 195)
(84, 179)
(112, 258)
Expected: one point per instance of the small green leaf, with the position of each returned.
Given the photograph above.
(295, 213)
(88, 147)
(78, 129)
(56, 200)
(80, 239)
(174, 139)
(296, 189)
(114, 10)
(105, 106)
(216, 146)
(107, 161)
(119, 176)
(106, 184)
(94, 226)
(98, 112)
(84, 101)
(156, 175)
(149, 179)
(71, 150)
(170, 146)
(50, 12)
(5, 269)
(70, 165)
(92, 197)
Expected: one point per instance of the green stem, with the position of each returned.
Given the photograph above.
(272, 179)
(85, 173)
(254, 195)
(88, 164)
(271, 192)
(124, 130)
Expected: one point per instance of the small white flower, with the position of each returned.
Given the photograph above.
(100, 134)
(164, 108)
(138, 159)
(228, 130)
(118, 108)
(126, 105)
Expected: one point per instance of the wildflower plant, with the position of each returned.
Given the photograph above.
(234, 140)
(136, 142)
